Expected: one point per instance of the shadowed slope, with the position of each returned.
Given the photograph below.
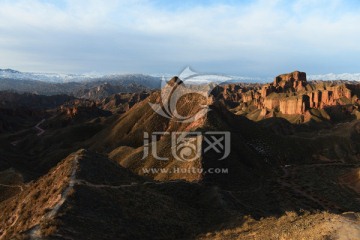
(74, 199)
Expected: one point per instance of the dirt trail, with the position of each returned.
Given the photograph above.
(37, 127)
(35, 232)
(12, 186)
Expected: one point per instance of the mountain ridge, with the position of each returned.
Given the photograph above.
(79, 168)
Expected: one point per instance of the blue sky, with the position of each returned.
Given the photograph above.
(248, 38)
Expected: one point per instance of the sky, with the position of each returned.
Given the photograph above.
(246, 38)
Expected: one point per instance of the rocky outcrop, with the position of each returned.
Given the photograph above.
(315, 99)
(106, 90)
(294, 81)
(122, 102)
(291, 94)
(328, 95)
(81, 109)
(293, 105)
(272, 103)
(267, 89)
(291, 82)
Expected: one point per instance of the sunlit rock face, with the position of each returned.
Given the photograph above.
(291, 94)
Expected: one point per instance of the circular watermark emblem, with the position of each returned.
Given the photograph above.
(188, 82)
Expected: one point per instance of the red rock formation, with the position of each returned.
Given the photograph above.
(266, 90)
(293, 105)
(272, 103)
(294, 81)
(248, 96)
(292, 94)
(314, 99)
(295, 77)
(340, 91)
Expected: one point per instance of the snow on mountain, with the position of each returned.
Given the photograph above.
(334, 76)
(45, 77)
(65, 78)
(192, 77)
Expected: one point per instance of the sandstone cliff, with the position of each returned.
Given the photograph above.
(291, 94)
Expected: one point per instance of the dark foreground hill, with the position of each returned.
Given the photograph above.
(87, 196)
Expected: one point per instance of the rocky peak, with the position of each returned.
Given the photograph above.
(293, 77)
(294, 81)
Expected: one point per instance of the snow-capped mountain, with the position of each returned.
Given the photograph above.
(334, 76)
(190, 76)
(45, 77)
(71, 84)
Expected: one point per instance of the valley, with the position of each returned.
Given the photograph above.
(71, 166)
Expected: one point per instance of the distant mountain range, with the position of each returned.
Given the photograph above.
(76, 85)
(94, 86)
(66, 78)
(45, 77)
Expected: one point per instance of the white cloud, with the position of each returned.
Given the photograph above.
(259, 38)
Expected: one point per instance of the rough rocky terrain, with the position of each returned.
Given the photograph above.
(73, 168)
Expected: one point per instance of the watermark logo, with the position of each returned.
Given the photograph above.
(186, 146)
(218, 142)
(189, 146)
(183, 170)
(189, 82)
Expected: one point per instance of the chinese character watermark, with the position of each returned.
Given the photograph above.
(188, 146)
